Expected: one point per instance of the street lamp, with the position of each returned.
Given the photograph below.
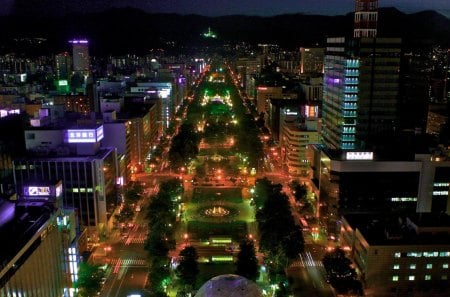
(186, 239)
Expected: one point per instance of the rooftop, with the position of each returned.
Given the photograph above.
(19, 222)
(379, 229)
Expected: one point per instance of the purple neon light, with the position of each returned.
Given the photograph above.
(79, 41)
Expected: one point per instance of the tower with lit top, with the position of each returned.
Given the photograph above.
(360, 85)
(80, 56)
(366, 17)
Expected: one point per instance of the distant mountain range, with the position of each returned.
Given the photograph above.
(127, 30)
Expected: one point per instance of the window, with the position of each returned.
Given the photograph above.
(414, 254)
(412, 266)
(395, 278)
(396, 266)
(445, 266)
(429, 266)
(397, 255)
(427, 277)
(443, 277)
(444, 254)
(411, 277)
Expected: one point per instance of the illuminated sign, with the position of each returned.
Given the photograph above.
(262, 88)
(76, 41)
(62, 82)
(164, 93)
(85, 135)
(6, 112)
(311, 111)
(99, 133)
(289, 112)
(58, 190)
(359, 156)
(37, 191)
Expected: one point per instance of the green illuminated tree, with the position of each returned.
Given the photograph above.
(89, 279)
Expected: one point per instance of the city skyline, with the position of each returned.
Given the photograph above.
(215, 8)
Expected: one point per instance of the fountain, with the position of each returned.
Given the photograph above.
(216, 211)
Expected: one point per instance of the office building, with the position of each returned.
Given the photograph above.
(75, 156)
(360, 92)
(361, 182)
(311, 60)
(361, 82)
(312, 88)
(294, 142)
(159, 93)
(41, 254)
(63, 65)
(399, 256)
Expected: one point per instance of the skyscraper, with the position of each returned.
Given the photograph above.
(361, 80)
(80, 56)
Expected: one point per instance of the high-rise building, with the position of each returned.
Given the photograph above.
(80, 56)
(63, 65)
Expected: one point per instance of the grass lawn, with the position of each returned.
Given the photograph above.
(203, 195)
(204, 230)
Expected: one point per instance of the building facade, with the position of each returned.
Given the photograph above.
(360, 93)
(399, 258)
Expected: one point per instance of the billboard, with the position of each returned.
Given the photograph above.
(37, 191)
(84, 135)
(359, 156)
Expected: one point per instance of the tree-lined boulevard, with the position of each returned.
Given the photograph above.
(214, 206)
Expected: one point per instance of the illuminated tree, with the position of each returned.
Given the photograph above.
(89, 279)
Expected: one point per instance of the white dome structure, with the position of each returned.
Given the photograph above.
(229, 285)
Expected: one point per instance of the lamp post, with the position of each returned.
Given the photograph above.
(186, 239)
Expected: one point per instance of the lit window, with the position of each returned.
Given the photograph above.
(396, 266)
(395, 278)
(411, 277)
(414, 254)
(429, 266)
(397, 255)
(444, 254)
(443, 277)
(427, 277)
(445, 266)
(412, 266)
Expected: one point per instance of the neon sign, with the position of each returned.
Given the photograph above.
(84, 135)
(359, 156)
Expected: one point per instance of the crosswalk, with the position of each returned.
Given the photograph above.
(137, 240)
(128, 262)
(306, 260)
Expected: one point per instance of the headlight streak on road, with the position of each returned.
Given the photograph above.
(117, 266)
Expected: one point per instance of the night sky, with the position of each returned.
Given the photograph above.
(219, 7)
